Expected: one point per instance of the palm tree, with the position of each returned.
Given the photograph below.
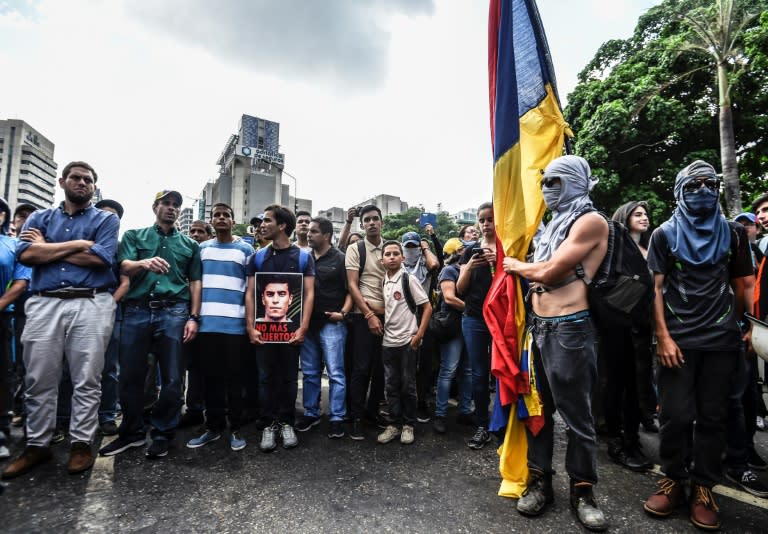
(716, 33)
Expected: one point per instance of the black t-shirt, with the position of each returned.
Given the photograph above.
(698, 300)
(330, 286)
(449, 272)
(479, 285)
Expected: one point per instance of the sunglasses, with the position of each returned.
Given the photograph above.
(695, 184)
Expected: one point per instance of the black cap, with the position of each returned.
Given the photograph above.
(114, 204)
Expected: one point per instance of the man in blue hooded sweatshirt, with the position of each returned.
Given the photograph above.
(701, 264)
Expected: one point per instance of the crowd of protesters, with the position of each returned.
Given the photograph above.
(162, 330)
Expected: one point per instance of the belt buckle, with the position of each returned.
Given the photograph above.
(155, 304)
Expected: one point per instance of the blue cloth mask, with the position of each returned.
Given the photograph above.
(700, 202)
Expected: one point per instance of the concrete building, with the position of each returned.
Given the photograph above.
(388, 204)
(184, 222)
(467, 216)
(250, 172)
(27, 168)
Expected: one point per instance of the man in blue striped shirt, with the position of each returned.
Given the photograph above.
(221, 337)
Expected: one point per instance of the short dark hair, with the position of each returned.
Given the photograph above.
(208, 227)
(82, 164)
(284, 216)
(303, 212)
(225, 206)
(392, 242)
(369, 207)
(326, 226)
(278, 278)
(25, 209)
(762, 199)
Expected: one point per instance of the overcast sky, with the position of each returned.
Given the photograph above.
(373, 96)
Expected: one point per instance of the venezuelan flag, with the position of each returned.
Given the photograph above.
(527, 132)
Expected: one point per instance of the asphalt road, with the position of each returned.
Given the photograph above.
(435, 485)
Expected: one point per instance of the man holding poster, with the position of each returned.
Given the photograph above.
(281, 285)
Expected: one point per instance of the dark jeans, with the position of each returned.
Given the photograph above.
(424, 377)
(161, 330)
(193, 357)
(565, 360)
(6, 372)
(698, 391)
(620, 402)
(278, 381)
(644, 361)
(110, 404)
(366, 369)
(400, 383)
(477, 339)
(742, 412)
(222, 371)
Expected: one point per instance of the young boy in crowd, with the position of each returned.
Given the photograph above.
(402, 339)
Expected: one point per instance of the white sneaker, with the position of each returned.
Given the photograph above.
(760, 423)
(406, 438)
(288, 435)
(390, 433)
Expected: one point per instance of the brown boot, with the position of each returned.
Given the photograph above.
(704, 510)
(29, 459)
(665, 501)
(80, 458)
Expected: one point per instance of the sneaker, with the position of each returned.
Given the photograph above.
(288, 436)
(537, 495)
(157, 449)
(268, 438)
(357, 430)
(704, 511)
(120, 445)
(59, 435)
(108, 428)
(305, 422)
(439, 425)
(336, 430)
(236, 442)
(406, 436)
(480, 438)
(748, 481)
(422, 415)
(390, 433)
(204, 439)
(4, 452)
(760, 424)
(584, 505)
(667, 499)
(754, 461)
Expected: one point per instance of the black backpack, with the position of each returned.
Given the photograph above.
(621, 292)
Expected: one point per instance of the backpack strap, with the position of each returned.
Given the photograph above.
(261, 256)
(406, 282)
(361, 252)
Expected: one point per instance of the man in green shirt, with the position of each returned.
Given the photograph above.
(161, 311)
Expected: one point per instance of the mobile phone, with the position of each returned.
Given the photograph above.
(478, 251)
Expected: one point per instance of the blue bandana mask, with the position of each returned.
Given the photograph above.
(700, 202)
(551, 196)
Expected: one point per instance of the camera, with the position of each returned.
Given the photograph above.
(358, 211)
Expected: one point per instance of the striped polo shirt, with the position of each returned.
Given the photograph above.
(224, 285)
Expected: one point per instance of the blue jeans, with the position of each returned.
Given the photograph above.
(450, 356)
(161, 331)
(109, 400)
(478, 341)
(324, 345)
(565, 360)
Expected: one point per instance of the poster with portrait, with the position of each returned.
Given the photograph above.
(278, 305)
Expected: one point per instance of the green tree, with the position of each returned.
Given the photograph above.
(396, 225)
(643, 110)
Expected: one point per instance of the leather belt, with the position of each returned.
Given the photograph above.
(83, 293)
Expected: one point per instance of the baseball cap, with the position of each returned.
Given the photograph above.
(745, 215)
(452, 246)
(114, 204)
(411, 238)
(168, 193)
(257, 219)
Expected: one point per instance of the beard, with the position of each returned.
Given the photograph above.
(78, 198)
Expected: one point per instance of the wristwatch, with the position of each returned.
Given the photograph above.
(194, 317)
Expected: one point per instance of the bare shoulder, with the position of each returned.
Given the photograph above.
(591, 226)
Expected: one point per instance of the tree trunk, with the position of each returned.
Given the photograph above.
(728, 161)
